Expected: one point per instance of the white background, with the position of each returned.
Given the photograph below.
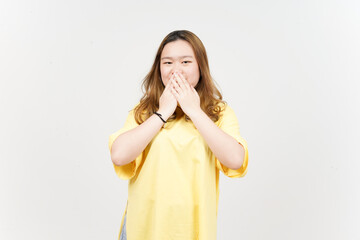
(71, 70)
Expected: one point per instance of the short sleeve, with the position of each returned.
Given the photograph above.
(126, 171)
(229, 124)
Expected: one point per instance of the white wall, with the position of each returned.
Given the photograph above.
(70, 71)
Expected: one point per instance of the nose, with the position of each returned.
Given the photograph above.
(177, 68)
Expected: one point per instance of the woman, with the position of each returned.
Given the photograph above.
(173, 144)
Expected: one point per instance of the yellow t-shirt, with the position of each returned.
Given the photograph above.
(173, 189)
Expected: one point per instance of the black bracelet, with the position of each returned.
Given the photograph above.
(160, 117)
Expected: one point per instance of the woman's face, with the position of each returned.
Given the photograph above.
(179, 56)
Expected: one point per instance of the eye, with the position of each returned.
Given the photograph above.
(166, 62)
(187, 61)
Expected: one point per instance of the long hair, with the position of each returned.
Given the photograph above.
(152, 85)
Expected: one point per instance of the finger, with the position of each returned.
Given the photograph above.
(175, 80)
(175, 93)
(179, 81)
(175, 83)
(170, 83)
(175, 86)
(193, 89)
(185, 82)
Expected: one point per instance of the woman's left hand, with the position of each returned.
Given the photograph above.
(186, 95)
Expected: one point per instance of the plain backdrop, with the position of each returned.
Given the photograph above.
(71, 70)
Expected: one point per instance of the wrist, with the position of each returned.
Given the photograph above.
(195, 114)
(160, 116)
(164, 114)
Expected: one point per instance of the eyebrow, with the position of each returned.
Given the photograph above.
(178, 57)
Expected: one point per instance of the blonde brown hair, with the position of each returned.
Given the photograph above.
(152, 85)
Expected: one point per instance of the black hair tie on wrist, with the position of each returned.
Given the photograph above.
(160, 116)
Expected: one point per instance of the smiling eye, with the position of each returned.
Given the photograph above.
(187, 61)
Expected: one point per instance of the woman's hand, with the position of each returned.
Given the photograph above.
(167, 101)
(185, 94)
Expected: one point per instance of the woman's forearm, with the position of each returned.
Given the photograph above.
(128, 145)
(228, 151)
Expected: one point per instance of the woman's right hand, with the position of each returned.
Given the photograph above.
(167, 101)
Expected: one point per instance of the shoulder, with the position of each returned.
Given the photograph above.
(131, 113)
(227, 113)
(137, 113)
(226, 109)
(133, 107)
